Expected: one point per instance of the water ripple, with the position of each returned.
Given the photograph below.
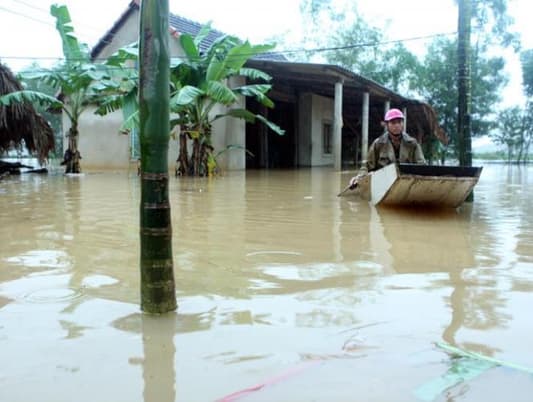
(53, 295)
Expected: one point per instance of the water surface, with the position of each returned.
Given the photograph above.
(286, 292)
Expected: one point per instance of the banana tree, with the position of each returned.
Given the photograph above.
(199, 82)
(202, 80)
(120, 90)
(77, 81)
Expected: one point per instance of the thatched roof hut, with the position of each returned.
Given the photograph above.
(20, 124)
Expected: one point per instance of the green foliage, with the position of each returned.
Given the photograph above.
(491, 24)
(73, 51)
(79, 82)
(53, 118)
(392, 66)
(118, 90)
(526, 59)
(362, 48)
(515, 132)
(31, 97)
(438, 79)
(198, 82)
(204, 80)
(490, 156)
(356, 45)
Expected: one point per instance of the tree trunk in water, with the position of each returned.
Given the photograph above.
(208, 162)
(526, 147)
(464, 129)
(195, 157)
(71, 158)
(520, 150)
(157, 269)
(202, 162)
(182, 167)
(205, 154)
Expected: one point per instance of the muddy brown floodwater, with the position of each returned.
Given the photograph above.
(286, 292)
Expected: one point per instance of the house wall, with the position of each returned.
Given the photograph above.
(229, 131)
(314, 111)
(124, 36)
(101, 144)
(103, 147)
(128, 34)
(234, 159)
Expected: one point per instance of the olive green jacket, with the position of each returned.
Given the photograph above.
(381, 152)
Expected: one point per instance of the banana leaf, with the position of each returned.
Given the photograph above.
(32, 97)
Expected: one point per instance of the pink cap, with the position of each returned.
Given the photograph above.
(393, 114)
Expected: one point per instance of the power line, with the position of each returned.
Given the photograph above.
(32, 6)
(26, 16)
(361, 45)
(49, 23)
(281, 52)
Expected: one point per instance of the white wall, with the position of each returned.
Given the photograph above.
(102, 146)
(314, 110)
(231, 131)
(100, 143)
(124, 37)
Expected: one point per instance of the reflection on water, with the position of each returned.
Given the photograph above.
(285, 291)
(159, 353)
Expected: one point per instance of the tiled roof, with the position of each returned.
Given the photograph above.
(183, 25)
(177, 23)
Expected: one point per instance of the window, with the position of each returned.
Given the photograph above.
(327, 137)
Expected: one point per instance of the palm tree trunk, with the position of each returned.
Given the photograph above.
(157, 268)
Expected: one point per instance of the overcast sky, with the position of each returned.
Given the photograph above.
(28, 31)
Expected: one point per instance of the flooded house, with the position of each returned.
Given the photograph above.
(329, 113)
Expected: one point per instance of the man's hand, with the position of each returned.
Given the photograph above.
(354, 181)
(352, 184)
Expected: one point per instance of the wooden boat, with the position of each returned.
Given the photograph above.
(410, 184)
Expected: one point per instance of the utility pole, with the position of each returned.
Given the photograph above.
(464, 84)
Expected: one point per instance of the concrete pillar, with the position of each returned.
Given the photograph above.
(337, 127)
(364, 131)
